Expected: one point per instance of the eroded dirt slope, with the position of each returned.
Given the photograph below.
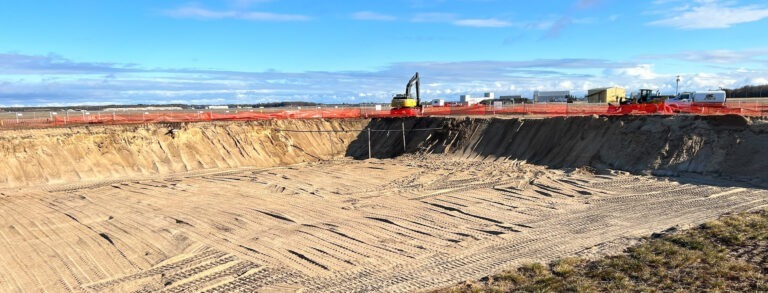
(730, 146)
(69, 155)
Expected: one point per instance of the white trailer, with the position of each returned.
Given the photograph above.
(709, 97)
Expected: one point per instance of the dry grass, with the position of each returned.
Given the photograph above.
(724, 255)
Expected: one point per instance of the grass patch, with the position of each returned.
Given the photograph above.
(728, 254)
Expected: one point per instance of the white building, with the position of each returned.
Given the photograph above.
(217, 107)
(489, 95)
(469, 100)
(551, 96)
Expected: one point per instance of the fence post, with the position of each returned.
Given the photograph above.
(369, 142)
(405, 146)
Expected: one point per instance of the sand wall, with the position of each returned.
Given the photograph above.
(727, 145)
(67, 155)
(719, 145)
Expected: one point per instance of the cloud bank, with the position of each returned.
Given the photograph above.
(36, 80)
(708, 14)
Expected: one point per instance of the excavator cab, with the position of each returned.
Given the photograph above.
(405, 104)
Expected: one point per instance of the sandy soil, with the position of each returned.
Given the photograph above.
(97, 153)
(216, 208)
(408, 223)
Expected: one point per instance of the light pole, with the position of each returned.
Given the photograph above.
(677, 86)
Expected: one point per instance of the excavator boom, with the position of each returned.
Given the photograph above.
(406, 101)
(414, 81)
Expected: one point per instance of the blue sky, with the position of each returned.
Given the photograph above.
(249, 51)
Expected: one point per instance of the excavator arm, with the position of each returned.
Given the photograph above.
(414, 81)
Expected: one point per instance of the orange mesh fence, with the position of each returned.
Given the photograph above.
(759, 108)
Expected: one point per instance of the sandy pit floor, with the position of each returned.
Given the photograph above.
(404, 224)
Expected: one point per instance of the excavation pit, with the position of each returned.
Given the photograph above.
(291, 205)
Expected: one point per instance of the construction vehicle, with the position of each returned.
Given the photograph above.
(645, 101)
(406, 101)
(645, 96)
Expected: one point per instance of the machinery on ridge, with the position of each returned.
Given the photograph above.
(645, 96)
(405, 104)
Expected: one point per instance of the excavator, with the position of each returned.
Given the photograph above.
(405, 104)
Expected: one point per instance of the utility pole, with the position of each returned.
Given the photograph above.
(677, 87)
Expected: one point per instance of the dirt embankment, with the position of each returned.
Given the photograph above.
(77, 154)
(730, 146)
(727, 145)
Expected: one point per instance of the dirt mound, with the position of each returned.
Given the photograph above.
(79, 154)
(730, 146)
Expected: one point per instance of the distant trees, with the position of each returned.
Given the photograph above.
(750, 91)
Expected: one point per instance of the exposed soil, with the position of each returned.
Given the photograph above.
(244, 206)
(89, 154)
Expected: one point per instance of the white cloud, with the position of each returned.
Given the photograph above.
(641, 71)
(754, 55)
(486, 22)
(368, 15)
(710, 14)
(194, 11)
(42, 80)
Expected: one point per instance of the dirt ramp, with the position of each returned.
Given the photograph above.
(77, 154)
(719, 145)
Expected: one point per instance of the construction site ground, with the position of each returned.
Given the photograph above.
(403, 224)
(257, 207)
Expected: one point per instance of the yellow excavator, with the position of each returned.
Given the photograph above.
(403, 104)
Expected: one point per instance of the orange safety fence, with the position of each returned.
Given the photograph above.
(539, 110)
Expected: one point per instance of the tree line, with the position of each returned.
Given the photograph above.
(749, 91)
